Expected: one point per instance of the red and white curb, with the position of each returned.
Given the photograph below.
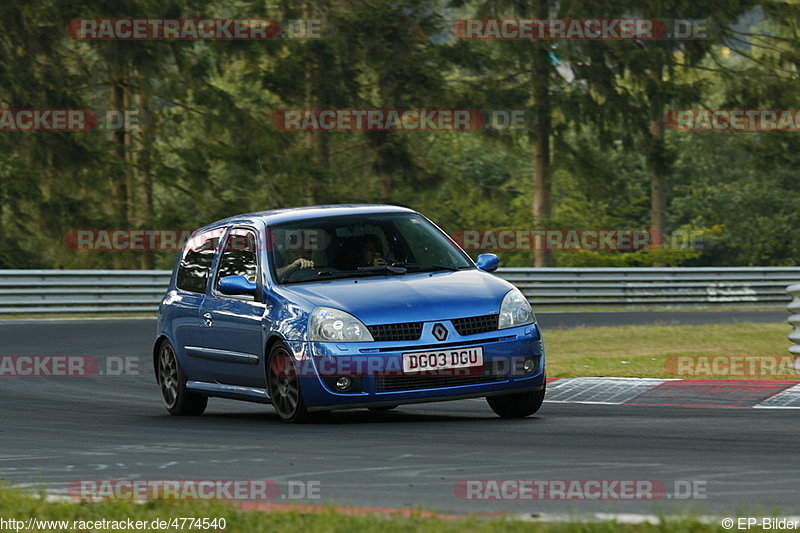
(733, 393)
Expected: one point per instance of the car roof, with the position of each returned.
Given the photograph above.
(276, 216)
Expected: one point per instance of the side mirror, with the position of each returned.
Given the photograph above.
(236, 286)
(488, 262)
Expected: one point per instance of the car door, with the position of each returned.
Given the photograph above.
(192, 280)
(232, 336)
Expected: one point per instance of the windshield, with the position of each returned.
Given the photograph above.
(321, 249)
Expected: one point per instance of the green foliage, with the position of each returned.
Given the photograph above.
(208, 148)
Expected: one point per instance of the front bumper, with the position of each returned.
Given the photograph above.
(376, 370)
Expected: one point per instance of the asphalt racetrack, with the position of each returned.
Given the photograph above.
(54, 431)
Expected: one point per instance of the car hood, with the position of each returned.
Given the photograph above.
(418, 297)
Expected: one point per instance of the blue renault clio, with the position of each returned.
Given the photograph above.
(339, 307)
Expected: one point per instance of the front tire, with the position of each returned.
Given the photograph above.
(284, 385)
(517, 405)
(172, 382)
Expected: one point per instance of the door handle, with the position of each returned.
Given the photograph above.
(208, 319)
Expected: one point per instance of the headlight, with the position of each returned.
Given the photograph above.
(331, 325)
(515, 310)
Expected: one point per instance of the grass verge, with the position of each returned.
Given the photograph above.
(18, 505)
(643, 351)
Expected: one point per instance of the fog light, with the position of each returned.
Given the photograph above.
(343, 384)
(529, 366)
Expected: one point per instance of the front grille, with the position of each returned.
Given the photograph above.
(407, 331)
(492, 372)
(440, 346)
(476, 324)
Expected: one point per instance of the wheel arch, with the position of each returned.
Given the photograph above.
(156, 347)
(273, 339)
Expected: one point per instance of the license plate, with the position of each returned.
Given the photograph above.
(443, 359)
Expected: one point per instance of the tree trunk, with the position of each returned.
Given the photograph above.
(130, 167)
(656, 155)
(658, 192)
(387, 187)
(316, 141)
(119, 186)
(144, 176)
(542, 209)
(2, 217)
(383, 165)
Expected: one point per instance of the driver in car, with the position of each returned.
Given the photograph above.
(371, 253)
(294, 258)
(296, 264)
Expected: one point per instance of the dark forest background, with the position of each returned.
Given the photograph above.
(596, 155)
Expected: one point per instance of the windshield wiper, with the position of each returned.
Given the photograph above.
(343, 274)
(393, 268)
(422, 266)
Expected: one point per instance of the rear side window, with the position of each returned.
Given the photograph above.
(196, 262)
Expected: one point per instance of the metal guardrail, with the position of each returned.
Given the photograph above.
(81, 291)
(135, 291)
(794, 319)
(659, 287)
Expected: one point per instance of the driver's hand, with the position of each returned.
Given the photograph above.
(378, 261)
(303, 263)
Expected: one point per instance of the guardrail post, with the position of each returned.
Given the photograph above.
(794, 320)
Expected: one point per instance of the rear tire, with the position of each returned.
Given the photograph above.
(284, 385)
(177, 399)
(517, 405)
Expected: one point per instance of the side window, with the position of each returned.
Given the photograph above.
(239, 256)
(196, 262)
